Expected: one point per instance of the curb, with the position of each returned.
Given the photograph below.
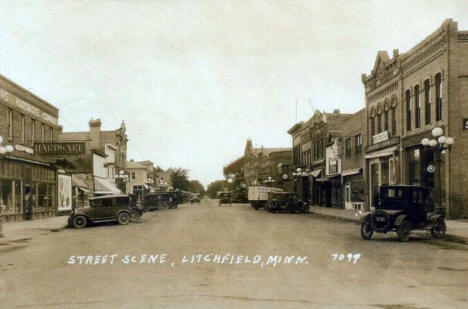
(448, 236)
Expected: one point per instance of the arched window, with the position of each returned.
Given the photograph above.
(427, 103)
(417, 108)
(379, 123)
(394, 121)
(438, 89)
(408, 110)
(372, 123)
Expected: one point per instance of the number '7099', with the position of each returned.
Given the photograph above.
(350, 257)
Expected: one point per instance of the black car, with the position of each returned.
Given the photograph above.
(117, 208)
(195, 198)
(159, 200)
(403, 208)
(225, 198)
(285, 202)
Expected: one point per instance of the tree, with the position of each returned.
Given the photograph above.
(179, 179)
(214, 187)
(197, 187)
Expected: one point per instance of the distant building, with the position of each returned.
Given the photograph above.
(261, 165)
(138, 180)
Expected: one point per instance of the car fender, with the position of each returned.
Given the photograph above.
(399, 220)
(432, 219)
(124, 210)
(365, 218)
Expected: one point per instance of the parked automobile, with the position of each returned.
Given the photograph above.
(159, 200)
(225, 198)
(195, 198)
(105, 208)
(403, 208)
(285, 202)
(258, 195)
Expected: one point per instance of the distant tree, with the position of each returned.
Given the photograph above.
(197, 187)
(179, 179)
(214, 187)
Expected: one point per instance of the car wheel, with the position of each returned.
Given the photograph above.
(79, 222)
(439, 228)
(123, 218)
(404, 230)
(366, 230)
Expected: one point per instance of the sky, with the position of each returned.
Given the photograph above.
(193, 80)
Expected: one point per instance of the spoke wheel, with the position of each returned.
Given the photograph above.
(123, 218)
(404, 231)
(79, 222)
(439, 228)
(366, 230)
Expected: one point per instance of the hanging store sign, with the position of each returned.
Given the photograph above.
(59, 148)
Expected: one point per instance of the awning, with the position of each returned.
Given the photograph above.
(316, 172)
(104, 186)
(351, 172)
(381, 153)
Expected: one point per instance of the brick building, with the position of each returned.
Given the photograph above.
(262, 163)
(406, 97)
(313, 181)
(28, 187)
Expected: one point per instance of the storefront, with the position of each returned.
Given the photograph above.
(354, 191)
(382, 167)
(27, 189)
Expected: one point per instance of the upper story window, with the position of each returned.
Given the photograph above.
(379, 123)
(348, 147)
(372, 126)
(438, 94)
(394, 121)
(33, 130)
(427, 101)
(43, 132)
(51, 133)
(408, 110)
(358, 143)
(133, 175)
(10, 124)
(417, 108)
(23, 128)
(386, 120)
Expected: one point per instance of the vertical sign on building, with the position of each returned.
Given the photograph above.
(64, 193)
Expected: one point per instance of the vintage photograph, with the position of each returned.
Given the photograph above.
(234, 154)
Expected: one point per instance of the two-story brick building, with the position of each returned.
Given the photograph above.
(28, 183)
(409, 95)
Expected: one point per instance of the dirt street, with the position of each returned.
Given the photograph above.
(206, 256)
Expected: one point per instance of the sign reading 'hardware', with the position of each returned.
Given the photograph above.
(58, 148)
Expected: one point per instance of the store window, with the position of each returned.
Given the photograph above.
(414, 166)
(438, 89)
(6, 196)
(427, 101)
(417, 108)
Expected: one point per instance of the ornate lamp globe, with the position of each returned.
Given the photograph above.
(299, 170)
(436, 132)
(9, 148)
(425, 141)
(442, 139)
(449, 141)
(433, 143)
(2, 150)
(1, 139)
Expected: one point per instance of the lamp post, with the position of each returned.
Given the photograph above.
(439, 144)
(269, 181)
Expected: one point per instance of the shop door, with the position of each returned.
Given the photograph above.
(374, 183)
(28, 191)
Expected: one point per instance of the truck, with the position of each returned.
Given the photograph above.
(258, 195)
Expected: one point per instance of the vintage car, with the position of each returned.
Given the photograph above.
(159, 200)
(285, 202)
(225, 198)
(117, 208)
(258, 195)
(403, 208)
(195, 198)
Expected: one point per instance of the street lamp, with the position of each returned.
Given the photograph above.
(269, 181)
(439, 144)
(5, 150)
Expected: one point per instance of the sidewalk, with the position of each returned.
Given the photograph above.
(16, 231)
(457, 228)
